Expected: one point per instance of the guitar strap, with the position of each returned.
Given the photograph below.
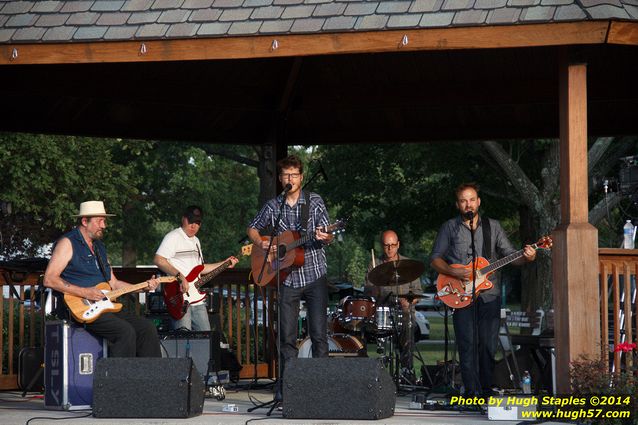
(199, 252)
(126, 300)
(487, 238)
(98, 257)
(305, 213)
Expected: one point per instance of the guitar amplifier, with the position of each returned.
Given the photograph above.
(193, 344)
(71, 353)
(155, 303)
(162, 322)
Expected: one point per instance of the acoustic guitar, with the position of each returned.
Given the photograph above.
(287, 252)
(458, 294)
(177, 302)
(87, 311)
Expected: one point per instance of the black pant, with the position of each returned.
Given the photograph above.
(477, 378)
(316, 297)
(128, 334)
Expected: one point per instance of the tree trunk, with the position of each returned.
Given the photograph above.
(267, 172)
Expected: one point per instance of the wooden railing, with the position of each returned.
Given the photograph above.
(618, 269)
(253, 341)
(26, 332)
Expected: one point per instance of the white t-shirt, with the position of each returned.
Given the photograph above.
(181, 251)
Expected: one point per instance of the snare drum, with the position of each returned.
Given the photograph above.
(339, 345)
(354, 313)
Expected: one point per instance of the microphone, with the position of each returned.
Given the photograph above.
(322, 171)
(468, 215)
(287, 188)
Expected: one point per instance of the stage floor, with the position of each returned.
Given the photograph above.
(17, 410)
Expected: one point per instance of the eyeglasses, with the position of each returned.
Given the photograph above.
(290, 175)
(390, 245)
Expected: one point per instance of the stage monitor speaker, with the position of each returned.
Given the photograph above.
(337, 388)
(147, 388)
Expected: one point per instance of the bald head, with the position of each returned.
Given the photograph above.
(389, 234)
(391, 244)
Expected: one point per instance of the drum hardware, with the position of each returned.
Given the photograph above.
(390, 321)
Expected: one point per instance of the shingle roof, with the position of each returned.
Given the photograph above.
(60, 21)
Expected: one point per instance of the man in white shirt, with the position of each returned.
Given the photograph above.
(179, 252)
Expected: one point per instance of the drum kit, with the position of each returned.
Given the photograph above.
(358, 317)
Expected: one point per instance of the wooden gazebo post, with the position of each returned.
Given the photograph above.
(575, 254)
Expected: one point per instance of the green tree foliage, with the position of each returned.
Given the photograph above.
(45, 177)
(405, 187)
(147, 184)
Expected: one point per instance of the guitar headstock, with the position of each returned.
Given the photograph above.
(246, 250)
(544, 243)
(337, 227)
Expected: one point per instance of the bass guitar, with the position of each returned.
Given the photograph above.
(287, 252)
(87, 311)
(456, 293)
(177, 302)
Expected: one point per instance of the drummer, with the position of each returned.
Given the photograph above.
(386, 295)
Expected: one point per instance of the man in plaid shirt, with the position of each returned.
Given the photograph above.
(309, 281)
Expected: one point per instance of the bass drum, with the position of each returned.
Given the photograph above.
(339, 345)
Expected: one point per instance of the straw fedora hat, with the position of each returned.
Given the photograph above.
(92, 209)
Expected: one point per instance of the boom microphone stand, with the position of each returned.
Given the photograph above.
(273, 234)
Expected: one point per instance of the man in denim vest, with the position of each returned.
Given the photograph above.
(78, 263)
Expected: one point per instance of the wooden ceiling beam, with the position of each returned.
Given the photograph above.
(533, 35)
(623, 33)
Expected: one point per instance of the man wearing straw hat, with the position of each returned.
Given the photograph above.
(78, 263)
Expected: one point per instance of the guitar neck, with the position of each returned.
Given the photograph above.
(119, 292)
(210, 276)
(301, 241)
(505, 261)
(112, 295)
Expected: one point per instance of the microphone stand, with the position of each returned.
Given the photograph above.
(310, 180)
(475, 325)
(278, 389)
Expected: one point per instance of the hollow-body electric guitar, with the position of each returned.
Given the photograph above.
(456, 293)
(177, 302)
(87, 311)
(287, 252)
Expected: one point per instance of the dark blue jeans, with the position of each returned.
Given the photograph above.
(477, 378)
(316, 297)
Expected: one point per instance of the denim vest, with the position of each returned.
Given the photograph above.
(83, 269)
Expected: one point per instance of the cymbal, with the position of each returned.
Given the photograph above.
(396, 272)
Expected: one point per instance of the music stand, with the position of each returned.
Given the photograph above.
(273, 235)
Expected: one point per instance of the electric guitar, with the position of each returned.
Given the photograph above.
(287, 252)
(86, 311)
(177, 302)
(458, 294)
